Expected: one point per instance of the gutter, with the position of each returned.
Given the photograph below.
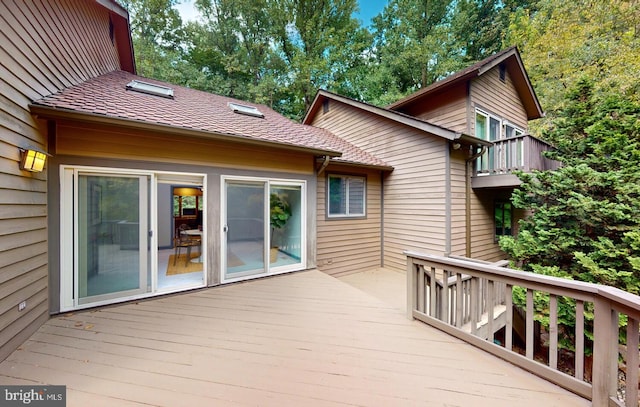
(324, 165)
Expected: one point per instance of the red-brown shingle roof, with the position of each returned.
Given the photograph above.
(192, 109)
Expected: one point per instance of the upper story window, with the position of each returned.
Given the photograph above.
(346, 196)
(504, 156)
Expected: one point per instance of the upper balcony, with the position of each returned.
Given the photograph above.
(495, 169)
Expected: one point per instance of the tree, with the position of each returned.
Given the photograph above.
(410, 42)
(562, 41)
(157, 32)
(584, 223)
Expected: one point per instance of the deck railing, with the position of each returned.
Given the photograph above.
(478, 296)
(520, 153)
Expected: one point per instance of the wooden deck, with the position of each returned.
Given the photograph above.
(303, 339)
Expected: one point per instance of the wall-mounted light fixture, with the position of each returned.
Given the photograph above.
(32, 159)
(456, 146)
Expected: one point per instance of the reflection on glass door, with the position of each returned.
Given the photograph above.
(245, 228)
(112, 237)
(285, 213)
(263, 227)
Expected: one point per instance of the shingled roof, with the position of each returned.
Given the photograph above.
(513, 62)
(193, 112)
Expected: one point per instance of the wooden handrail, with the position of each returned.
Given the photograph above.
(520, 153)
(487, 286)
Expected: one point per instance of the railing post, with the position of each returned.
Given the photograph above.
(605, 356)
(411, 288)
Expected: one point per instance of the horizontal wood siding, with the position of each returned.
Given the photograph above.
(348, 246)
(458, 203)
(447, 109)
(112, 142)
(414, 193)
(483, 242)
(45, 46)
(500, 98)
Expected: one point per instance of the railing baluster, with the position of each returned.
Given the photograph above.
(490, 309)
(444, 303)
(433, 293)
(474, 305)
(631, 391)
(579, 356)
(529, 335)
(508, 330)
(553, 331)
(459, 300)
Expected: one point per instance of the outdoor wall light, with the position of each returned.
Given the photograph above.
(456, 146)
(32, 159)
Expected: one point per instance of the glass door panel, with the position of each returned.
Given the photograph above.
(112, 237)
(245, 239)
(286, 225)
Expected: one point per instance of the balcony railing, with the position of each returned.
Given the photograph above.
(474, 302)
(520, 153)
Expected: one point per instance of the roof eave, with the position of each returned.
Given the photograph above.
(47, 112)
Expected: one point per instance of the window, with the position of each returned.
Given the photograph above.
(507, 153)
(187, 201)
(346, 197)
(503, 214)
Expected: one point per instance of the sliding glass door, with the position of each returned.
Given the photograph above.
(245, 233)
(263, 228)
(119, 235)
(112, 245)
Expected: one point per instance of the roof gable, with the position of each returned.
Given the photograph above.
(121, 31)
(393, 115)
(512, 61)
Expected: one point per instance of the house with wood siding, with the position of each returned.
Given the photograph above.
(152, 188)
(454, 147)
(149, 188)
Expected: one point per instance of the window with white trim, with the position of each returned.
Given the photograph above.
(507, 154)
(346, 196)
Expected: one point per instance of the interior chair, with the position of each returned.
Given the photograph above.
(182, 240)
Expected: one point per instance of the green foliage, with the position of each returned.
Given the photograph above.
(584, 221)
(562, 41)
(280, 210)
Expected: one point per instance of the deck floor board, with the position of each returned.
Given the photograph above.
(303, 339)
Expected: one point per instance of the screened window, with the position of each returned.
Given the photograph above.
(503, 214)
(346, 196)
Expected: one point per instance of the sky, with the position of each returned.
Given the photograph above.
(368, 10)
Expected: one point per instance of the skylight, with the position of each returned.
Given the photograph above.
(246, 110)
(150, 88)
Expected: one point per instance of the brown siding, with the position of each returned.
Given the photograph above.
(44, 46)
(447, 109)
(484, 245)
(349, 245)
(113, 142)
(488, 92)
(414, 193)
(458, 204)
